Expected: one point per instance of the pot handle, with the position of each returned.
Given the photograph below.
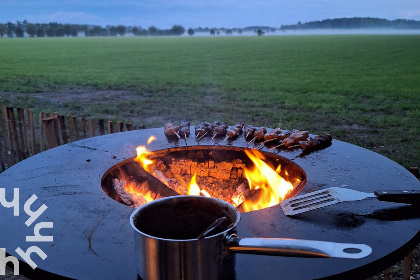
(297, 247)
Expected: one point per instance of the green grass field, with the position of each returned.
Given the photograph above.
(361, 89)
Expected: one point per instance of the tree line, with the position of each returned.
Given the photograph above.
(352, 23)
(54, 29)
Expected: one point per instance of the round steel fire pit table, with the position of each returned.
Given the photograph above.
(93, 239)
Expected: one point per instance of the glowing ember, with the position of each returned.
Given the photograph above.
(272, 188)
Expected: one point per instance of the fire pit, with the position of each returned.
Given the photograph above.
(93, 238)
(221, 172)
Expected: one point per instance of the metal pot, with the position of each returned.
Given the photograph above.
(167, 245)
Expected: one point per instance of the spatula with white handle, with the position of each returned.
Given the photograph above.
(314, 200)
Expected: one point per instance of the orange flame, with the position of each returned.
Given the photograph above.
(273, 187)
(151, 139)
(141, 157)
(193, 188)
(132, 189)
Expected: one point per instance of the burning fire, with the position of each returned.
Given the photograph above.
(266, 186)
(271, 186)
(193, 188)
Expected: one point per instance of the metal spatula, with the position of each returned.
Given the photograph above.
(322, 198)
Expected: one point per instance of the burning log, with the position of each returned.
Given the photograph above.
(134, 173)
(251, 199)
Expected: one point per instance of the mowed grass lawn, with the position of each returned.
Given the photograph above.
(363, 89)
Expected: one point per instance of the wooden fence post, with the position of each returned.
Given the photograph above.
(110, 127)
(3, 166)
(50, 132)
(32, 131)
(62, 122)
(22, 131)
(41, 130)
(76, 129)
(84, 127)
(120, 126)
(91, 128)
(101, 127)
(56, 129)
(12, 135)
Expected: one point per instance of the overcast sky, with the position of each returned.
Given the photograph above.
(205, 13)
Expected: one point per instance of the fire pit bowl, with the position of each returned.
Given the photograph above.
(220, 171)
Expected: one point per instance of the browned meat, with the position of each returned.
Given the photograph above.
(259, 133)
(318, 142)
(219, 131)
(234, 131)
(184, 129)
(171, 130)
(294, 138)
(249, 131)
(202, 129)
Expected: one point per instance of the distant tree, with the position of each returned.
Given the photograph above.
(212, 32)
(3, 30)
(74, 32)
(59, 32)
(31, 29)
(10, 29)
(121, 30)
(153, 30)
(228, 32)
(260, 32)
(240, 31)
(178, 29)
(19, 32)
(135, 30)
(40, 32)
(112, 31)
(190, 31)
(50, 32)
(67, 29)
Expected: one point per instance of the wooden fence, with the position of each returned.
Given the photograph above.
(22, 135)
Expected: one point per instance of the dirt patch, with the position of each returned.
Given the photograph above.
(65, 96)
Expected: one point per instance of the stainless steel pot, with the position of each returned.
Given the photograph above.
(167, 247)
